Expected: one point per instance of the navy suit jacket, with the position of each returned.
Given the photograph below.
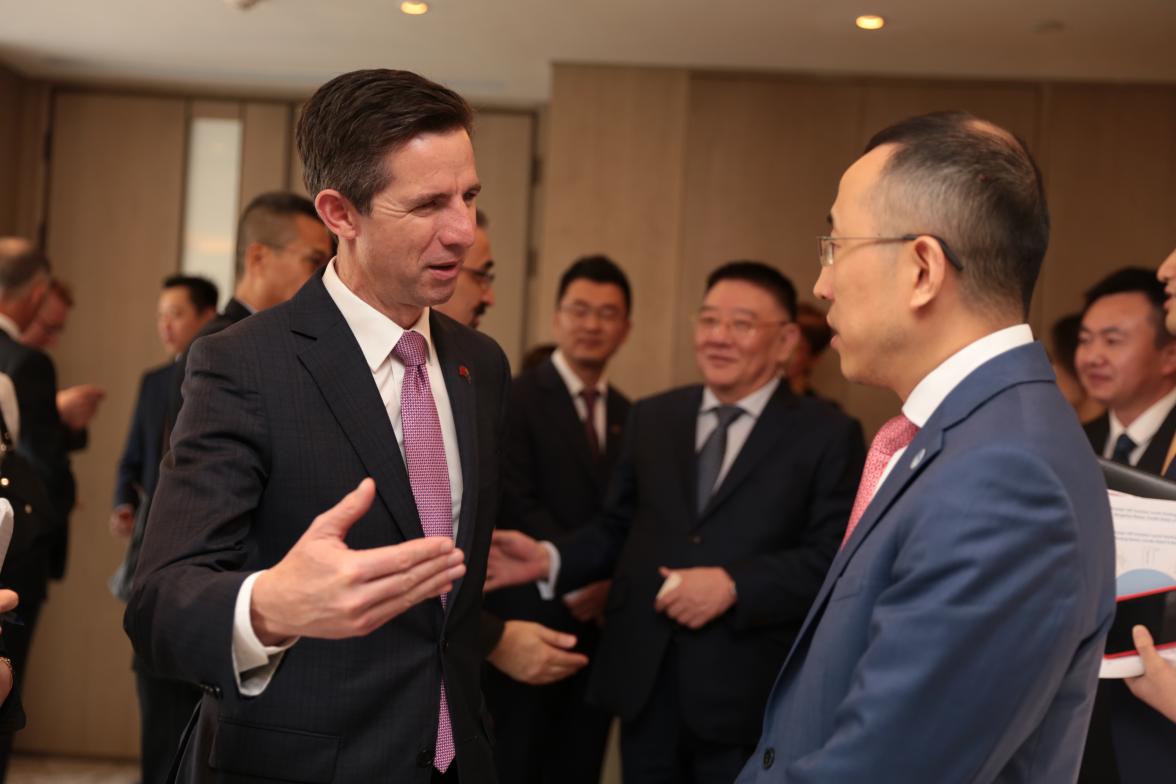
(281, 418)
(773, 523)
(958, 635)
(138, 468)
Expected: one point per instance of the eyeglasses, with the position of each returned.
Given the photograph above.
(485, 278)
(606, 314)
(827, 245)
(708, 323)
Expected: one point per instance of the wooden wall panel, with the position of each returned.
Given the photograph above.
(762, 164)
(24, 123)
(10, 113)
(614, 178)
(114, 230)
(265, 149)
(1109, 162)
(504, 143)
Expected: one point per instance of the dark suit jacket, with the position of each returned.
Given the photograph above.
(773, 523)
(281, 418)
(1152, 460)
(1128, 740)
(138, 468)
(552, 484)
(42, 439)
(958, 635)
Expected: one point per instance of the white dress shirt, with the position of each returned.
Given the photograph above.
(575, 387)
(1142, 430)
(940, 382)
(377, 335)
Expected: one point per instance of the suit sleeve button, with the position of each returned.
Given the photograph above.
(769, 757)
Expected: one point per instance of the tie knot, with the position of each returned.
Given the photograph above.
(1124, 446)
(727, 415)
(411, 349)
(894, 435)
(590, 395)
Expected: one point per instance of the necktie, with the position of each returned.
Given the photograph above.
(590, 396)
(714, 449)
(1124, 446)
(428, 475)
(896, 434)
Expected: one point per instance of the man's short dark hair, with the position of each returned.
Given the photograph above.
(20, 264)
(353, 121)
(481, 220)
(201, 291)
(762, 275)
(1064, 337)
(598, 269)
(975, 186)
(269, 220)
(813, 327)
(1134, 280)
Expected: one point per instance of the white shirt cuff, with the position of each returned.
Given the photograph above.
(547, 587)
(253, 663)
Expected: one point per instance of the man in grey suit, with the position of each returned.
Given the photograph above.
(958, 634)
(337, 640)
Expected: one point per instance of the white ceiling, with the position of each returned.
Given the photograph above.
(501, 52)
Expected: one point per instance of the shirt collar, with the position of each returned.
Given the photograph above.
(753, 405)
(1145, 426)
(938, 384)
(573, 382)
(9, 326)
(377, 334)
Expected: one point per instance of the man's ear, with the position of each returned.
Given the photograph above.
(255, 254)
(338, 213)
(928, 267)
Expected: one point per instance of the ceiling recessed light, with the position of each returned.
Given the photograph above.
(870, 22)
(414, 8)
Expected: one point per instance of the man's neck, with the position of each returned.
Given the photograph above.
(246, 293)
(589, 374)
(403, 314)
(923, 356)
(1127, 414)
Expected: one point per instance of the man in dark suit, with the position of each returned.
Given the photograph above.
(725, 509)
(1126, 360)
(341, 647)
(564, 431)
(185, 305)
(958, 633)
(24, 280)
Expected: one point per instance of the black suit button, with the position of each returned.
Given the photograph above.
(695, 539)
(424, 758)
(769, 758)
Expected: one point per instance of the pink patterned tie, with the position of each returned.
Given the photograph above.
(896, 434)
(428, 474)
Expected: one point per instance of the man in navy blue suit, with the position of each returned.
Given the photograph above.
(958, 634)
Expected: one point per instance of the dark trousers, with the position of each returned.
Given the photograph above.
(448, 777)
(658, 747)
(165, 707)
(17, 640)
(545, 734)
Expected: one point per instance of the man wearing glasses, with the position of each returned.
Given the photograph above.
(728, 502)
(959, 631)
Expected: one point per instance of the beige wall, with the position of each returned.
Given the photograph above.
(24, 119)
(674, 172)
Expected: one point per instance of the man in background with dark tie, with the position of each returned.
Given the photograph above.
(726, 507)
(564, 431)
(335, 457)
(1126, 360)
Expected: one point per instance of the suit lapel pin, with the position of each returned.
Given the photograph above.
(464, 372)
(918, 458)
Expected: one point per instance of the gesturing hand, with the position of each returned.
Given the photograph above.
(587, 603)
(515, 559)
(534, 654)
(705, 593)
(322, 588)
(77, 405)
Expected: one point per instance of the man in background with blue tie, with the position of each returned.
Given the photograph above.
(728, 501)
(1126, 360)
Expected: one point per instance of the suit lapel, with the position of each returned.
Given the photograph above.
(564, 417)
(1156, 453)
(459, 384)
(684, 427)
(337, 365)
(616, 412)
(764, 434)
